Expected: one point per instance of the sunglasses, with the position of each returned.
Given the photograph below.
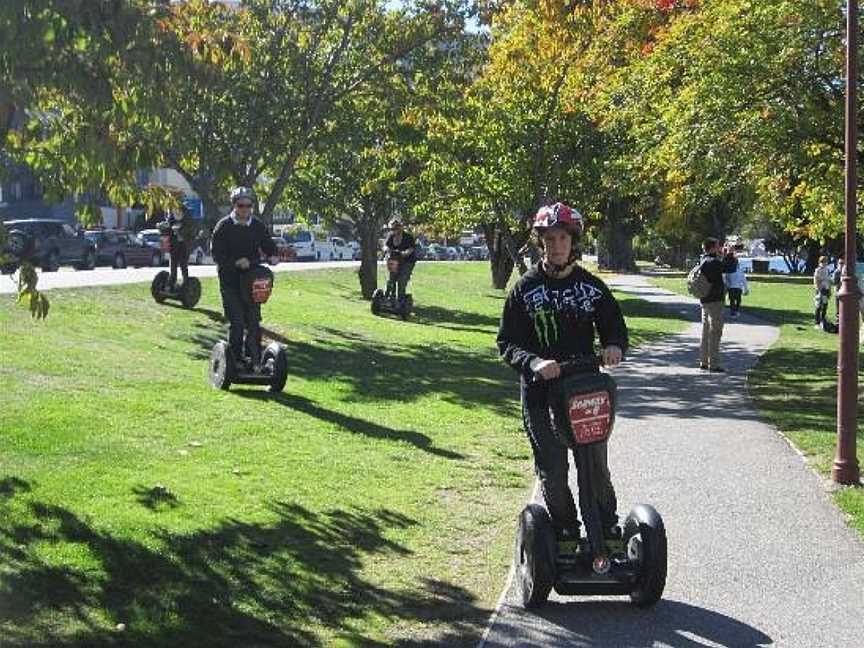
(243, 205)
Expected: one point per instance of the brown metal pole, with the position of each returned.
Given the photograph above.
(845, 468)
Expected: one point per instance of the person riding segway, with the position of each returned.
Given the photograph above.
(176, 231)
(547, 334)
(239, 240)
(401, 256)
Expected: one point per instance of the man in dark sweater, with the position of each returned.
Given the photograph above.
(550, 316)
(713, 268)
(238, 241)
(400, 245)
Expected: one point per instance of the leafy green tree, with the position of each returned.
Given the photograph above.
(513, 143)
(369, 168)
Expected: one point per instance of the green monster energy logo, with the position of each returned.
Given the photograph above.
(546, 326)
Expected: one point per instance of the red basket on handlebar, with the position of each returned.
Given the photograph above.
(392, 265)
(165, 242)
(261, 289)
(583, 406)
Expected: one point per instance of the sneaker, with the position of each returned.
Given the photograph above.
(818, 327)
(717, 370)
(703, 367)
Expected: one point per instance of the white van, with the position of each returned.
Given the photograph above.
(308, 244)
(340, 250)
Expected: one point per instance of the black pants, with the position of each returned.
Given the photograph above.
(399, 280)
(179, 257)
(821, 312)
(734, 300)
(244, 324)
(551, 466)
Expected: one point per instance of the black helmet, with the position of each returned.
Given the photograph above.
(242, 192)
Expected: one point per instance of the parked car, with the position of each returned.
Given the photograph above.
(198, 250)
(478, 253)
(339, 249)
(284, 252)
(461, 252)
(153, 238)
(119, 249)
(50, 243)
(436, 252)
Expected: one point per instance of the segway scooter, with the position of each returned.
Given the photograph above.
(273, 370)
(385, 302)
(188, 293)
(634, 564)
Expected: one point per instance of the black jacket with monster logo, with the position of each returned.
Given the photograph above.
(556, 319)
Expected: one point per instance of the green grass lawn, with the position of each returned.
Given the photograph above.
(794, 384)
(372, 503)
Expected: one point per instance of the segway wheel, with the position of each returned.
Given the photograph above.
(221, 366)
(190, 292)
(407, 307)
(276, 353)
(535, 556)
(649, 550)
(160, 286)
(377, 300)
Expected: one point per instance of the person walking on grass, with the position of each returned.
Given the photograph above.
(736, 283)
(822, 286)
(713, 268)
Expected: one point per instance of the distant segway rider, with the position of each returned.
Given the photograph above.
(238, 242)
(180, 229)
(550, 316)
(402, 246)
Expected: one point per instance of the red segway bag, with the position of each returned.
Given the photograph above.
(583, 408)
(392, 265)
(260, 280)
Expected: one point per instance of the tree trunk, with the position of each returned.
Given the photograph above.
(615, 240)
(368, 227)
(814, 251)
(504, 249)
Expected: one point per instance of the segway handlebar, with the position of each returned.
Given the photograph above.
(579, 365)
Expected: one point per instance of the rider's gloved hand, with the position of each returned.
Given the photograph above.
(545, 369)
(242, 263)
(612, 355)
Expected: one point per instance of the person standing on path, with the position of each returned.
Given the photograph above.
(736, 283)
(713, 268)
(822, 285)
(551, 316)
(836, 280)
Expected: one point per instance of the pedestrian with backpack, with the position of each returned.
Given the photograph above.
(711, 269)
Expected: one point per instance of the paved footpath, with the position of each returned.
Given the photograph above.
(69, 278)
(758, 553)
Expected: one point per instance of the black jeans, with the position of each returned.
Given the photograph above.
(179, 257)
(734, 300)
(399, 280)
(243, 317)
(552, 467)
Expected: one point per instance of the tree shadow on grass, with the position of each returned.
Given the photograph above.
(377, 371)
(351, 423)
(454, 320)
(236, 584)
